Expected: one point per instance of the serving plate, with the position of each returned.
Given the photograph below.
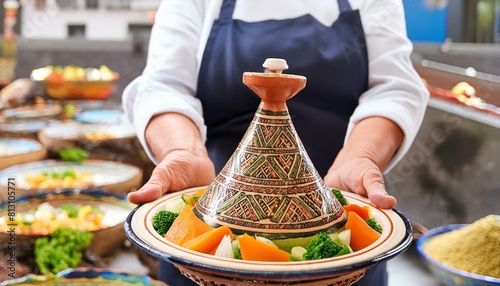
(86, 276)
(15, 151)
(114, 177)
(107, 116)
(33, 112)
(105, 240)
(25, 128)
(71, 134)
(396, 237)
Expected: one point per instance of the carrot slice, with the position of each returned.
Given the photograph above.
(209, 241)
(253, 249)
(363, 211)
(362, 235)
(186, 227)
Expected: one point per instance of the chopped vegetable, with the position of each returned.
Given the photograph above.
(362, 235)
(340, 197)
(253, 249)
(186, 227)
(208, 241)
(175, 206)
(323, 246)
(71, 209)
(225, 248)
(374, 224)
(188, 199)
(62, 250)
(163, 220)
(298, 252)
(344, 237)
(236, 249)
(73, 154)
(363, 211)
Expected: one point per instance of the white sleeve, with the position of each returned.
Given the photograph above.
(395, 91)
(169, 80)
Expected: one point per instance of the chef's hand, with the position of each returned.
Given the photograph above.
(184, 163)
(358, 165)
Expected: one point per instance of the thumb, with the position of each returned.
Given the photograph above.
(373, 182)
(153, 189)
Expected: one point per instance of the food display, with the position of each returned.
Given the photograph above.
(52, 175)
(46, 218)
(465, 94)
(178, 224)
(473, 248)
(76, 82)
(63, 178)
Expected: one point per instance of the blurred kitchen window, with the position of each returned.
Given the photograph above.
(117, 4)
(67, 4)
(92, 4)
(76, 31)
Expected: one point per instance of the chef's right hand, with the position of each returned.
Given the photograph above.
(184, 161)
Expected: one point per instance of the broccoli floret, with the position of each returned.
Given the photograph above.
(374, 224)
(70, 209)
(340, 197)
(237, 253)
(62, 250)
(322, 246)
(163, 220)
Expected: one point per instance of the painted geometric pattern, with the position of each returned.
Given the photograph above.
(269, 183)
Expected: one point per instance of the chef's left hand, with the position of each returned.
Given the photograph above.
(357, 168)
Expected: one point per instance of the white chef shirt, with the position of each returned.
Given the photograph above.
(169, 81)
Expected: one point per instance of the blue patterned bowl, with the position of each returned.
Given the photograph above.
(448, 275)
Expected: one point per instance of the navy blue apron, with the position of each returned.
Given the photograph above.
(334, 59)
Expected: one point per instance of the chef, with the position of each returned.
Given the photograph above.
(357, 116)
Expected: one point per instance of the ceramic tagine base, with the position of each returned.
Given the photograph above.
(269, 186)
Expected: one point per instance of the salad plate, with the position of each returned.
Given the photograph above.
(45, 209)
(34, 177)
(396, 237)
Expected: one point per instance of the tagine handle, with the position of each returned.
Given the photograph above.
(274, 87)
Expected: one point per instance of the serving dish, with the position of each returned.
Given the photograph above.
(103, 116)
(113, 177)
(35, 111)
(86, 276)
(75, 82)
(15, 151)
(25, 128)
(71, 134)
(105, 240)
(210, 270)
(448, 275)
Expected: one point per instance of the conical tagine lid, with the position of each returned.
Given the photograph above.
(269, 186)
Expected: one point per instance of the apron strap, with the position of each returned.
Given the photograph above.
(226, 11)
(344, 6)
